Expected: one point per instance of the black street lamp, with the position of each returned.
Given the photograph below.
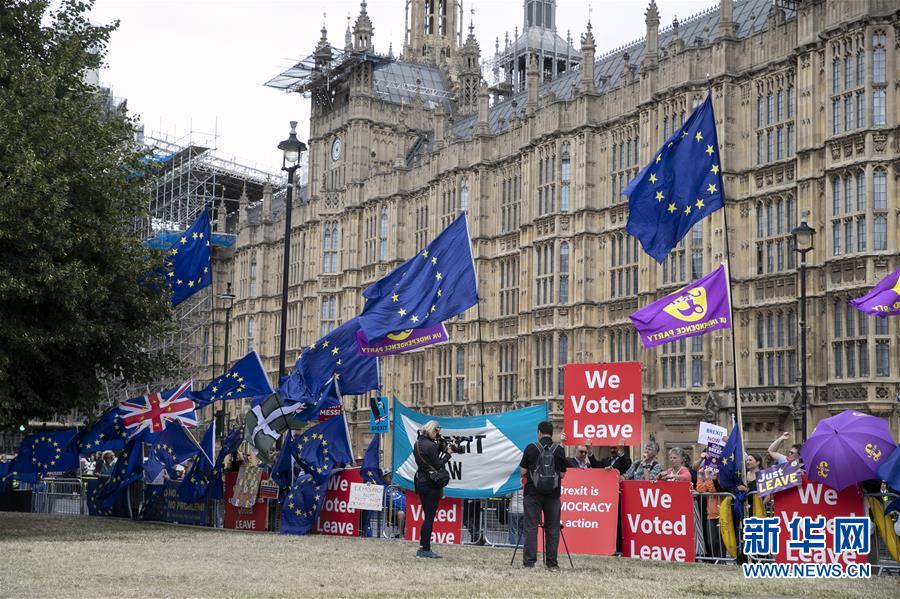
(292, 147)
(228, 297)
(803, 244)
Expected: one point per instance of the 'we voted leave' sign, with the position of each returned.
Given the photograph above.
(602, 403)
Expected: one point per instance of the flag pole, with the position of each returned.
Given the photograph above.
(480, 354)
(734, 354)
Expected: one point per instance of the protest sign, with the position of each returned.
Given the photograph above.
(602, 403)
(366, 497)
(589, 511)
(778, 478)
(255, 517)
(245, 486)
(171, 509)
(490, 448)
(336, 516)
(657, 521)
(711, 433)
(811, 499)
(379, 422)
(713, 456)
(447, 522)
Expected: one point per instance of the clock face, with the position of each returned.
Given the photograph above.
(336, 147)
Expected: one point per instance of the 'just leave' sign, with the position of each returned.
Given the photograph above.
(602, 403)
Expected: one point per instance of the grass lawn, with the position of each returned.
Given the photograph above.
(68, 556)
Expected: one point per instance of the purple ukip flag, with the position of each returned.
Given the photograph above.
(883, 300)
(694, 310)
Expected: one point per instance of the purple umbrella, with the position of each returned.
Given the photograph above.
(847, 448)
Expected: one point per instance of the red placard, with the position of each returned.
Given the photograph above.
(602, 403)
(815, 499)
(255, 518)
(447, 522)
(657, 520)
(590, 508)
(336, 518)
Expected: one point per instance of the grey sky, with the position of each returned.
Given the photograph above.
(200, 65)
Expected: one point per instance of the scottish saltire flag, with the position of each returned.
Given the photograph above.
(40, 453)
(246, 379)
(329, 398)
(432, 286)
(264, 423)
(883, 300)
(681, 185)
(147, 416)
(323, 446)
(187, 266)
(128, 469)
(694, 310)
(173, 446)
(107, 432)
(196, 481)
(301, 507)
(283, 468)
(333, 356)
(730, 464)
(371, 466)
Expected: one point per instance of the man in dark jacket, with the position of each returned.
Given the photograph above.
(537, 503)
(618, 460)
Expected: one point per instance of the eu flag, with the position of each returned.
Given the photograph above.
(334, 355)
(107, 432)
(371, 467)
(681, 185)
(301, 507)
(173, 446)
(230, 443)
(196, 480)
(246, 379)
(323, 446)
(40, 453)
(283, 468)
(427, 289)
(188, 267)
(732, 457)
(330, 398)
(127, 470)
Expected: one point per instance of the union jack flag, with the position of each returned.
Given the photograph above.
(149, 415)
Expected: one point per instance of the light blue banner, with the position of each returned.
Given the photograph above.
(491, 448)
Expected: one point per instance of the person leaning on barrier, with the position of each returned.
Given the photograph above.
(516, 514)
(543, 465)
(431, 460)
(647, 468)
(108, 464)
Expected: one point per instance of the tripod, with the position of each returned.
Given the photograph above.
(562, 535)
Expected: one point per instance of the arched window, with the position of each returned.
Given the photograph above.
(563, 359)
(464, 195)
(565, 176)
(564, 273)
(253, 290)
(251, 333)
(383, 235)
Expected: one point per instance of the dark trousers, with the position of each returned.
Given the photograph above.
(549, 505)
(429, 496)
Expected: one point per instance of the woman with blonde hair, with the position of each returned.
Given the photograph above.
(431, 456)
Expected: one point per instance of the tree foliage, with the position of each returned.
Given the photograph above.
(76, 301)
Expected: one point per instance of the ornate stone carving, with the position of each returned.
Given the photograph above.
(711, 408)
(879, 141)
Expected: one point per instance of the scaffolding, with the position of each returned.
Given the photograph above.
(185, 176)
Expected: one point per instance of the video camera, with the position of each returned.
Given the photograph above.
(444, 443)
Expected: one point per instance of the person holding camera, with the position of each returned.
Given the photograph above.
(543, 465)
(432, 452)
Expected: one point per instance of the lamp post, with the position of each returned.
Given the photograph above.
(803, 244)
(228, 297)
(292, 147)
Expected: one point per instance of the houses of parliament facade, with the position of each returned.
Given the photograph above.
(806, 101)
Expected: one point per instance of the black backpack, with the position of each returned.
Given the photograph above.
(544, 476)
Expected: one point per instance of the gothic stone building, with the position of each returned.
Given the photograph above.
(806, 101)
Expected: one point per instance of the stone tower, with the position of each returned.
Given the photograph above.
(469, 70)
(433, 31)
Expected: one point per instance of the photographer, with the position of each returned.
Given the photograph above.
(432, 452)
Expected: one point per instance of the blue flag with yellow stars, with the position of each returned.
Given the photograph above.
(127, 470)
(730, 468)
(333, 356)
(371, 466)
(680, 186)
(246, 379)
(40, 453)
(432, 286)
(196, 480)
(187, 267)
(173, 446)
(301, 506)
(320, 448)
(283, 468)
(107, 432)
(329, 398)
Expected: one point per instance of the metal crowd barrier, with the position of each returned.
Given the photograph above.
(880, 556)
(58, 496)
(710, 541)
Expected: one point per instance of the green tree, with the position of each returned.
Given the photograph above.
(76, 301)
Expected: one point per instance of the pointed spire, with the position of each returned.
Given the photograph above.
(651, 56)
(587, 60)
(348, 37)
(323, 54)
(390, 49)
(363, 30)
